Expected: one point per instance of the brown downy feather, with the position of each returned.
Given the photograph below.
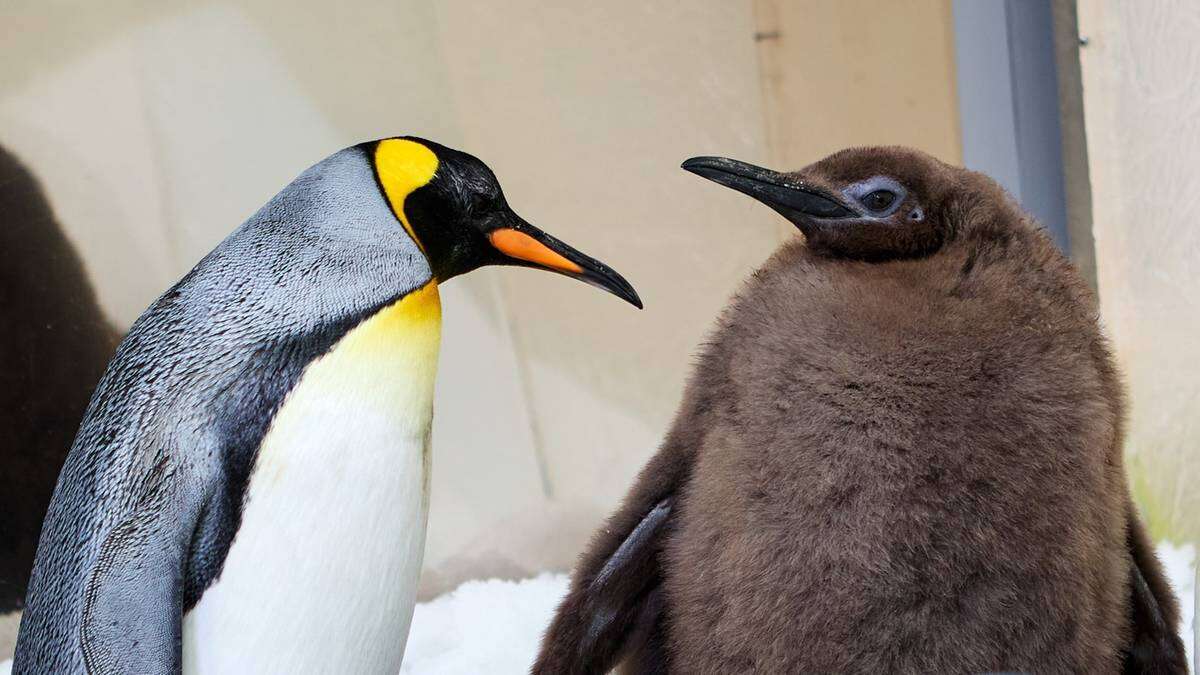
(896, 455)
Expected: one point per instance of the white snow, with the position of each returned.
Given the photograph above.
(1180, 563)
(495, 626)
(487, 626)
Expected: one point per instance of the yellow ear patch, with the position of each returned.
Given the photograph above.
(403, 166)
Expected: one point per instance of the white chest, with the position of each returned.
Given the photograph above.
(322, 574)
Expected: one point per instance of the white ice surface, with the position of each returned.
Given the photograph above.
(487, 626)
(1180, 564)
(494, 626)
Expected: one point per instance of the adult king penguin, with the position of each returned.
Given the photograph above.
(899, 453)
(249, 488)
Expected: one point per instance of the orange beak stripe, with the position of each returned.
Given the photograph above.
(521, 246)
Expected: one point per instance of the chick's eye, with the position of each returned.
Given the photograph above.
(879, 200)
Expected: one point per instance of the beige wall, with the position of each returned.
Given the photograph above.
(841, 73)
(1141, 85)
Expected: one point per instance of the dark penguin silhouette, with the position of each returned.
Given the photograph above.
(899, 453)
(55, 345)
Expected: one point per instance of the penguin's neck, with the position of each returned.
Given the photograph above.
(322, 573)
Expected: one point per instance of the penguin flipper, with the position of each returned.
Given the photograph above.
(613, 611)
(133, 606)
(616, 610)
(1155, 646)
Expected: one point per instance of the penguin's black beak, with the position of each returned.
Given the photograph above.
(791, 198)
(520, 243)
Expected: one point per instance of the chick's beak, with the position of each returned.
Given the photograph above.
(791, 198)
(520, 243)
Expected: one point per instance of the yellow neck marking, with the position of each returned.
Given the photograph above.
(403, 166)
(417, 314)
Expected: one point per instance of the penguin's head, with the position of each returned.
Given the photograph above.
(452, 206)
(871, 204)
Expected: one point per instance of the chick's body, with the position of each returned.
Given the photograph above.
(900, 452)
(901, 472)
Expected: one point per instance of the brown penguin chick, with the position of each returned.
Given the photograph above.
(899, 453)
(55, 346)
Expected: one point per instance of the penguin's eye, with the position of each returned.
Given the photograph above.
(879, 200)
